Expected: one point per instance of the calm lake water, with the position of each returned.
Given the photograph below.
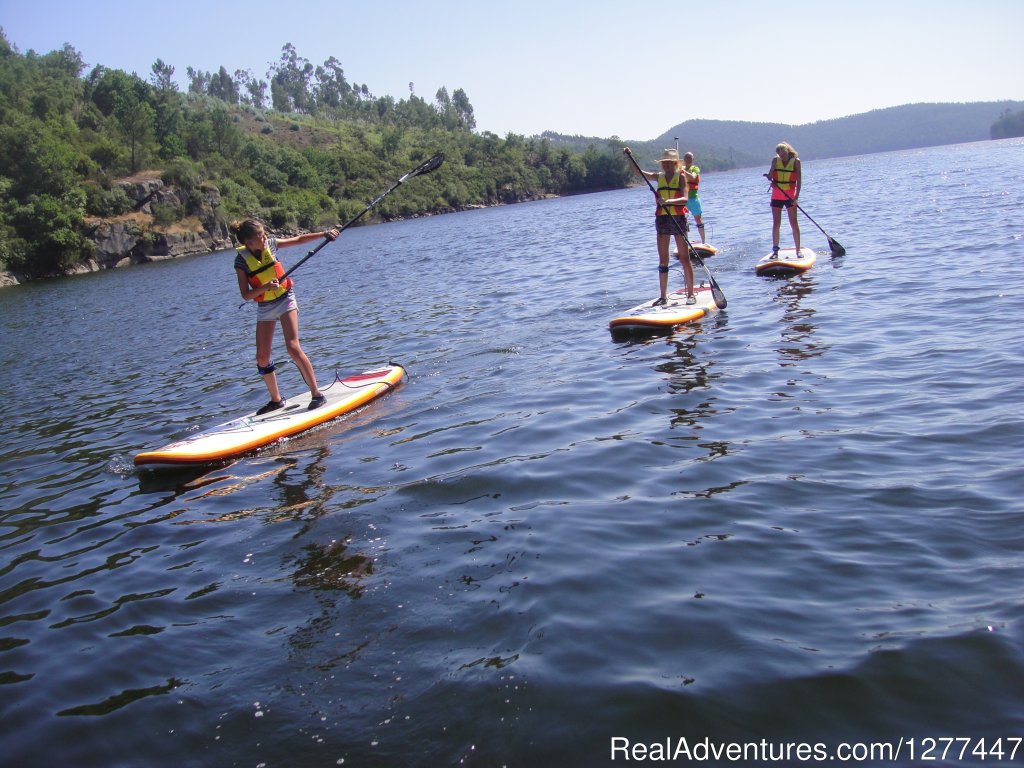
(799, 521)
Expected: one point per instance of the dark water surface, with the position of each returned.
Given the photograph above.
(800, 521)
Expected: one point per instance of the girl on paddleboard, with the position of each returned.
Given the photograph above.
(259, 277)
(672, 194)
(785, 172)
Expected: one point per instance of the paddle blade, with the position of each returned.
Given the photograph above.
(837, 249)
(718, 296)
(430, 165)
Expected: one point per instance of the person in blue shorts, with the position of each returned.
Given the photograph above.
(692, 174)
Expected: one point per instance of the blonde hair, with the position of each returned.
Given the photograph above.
(786, 146)
(246, 229)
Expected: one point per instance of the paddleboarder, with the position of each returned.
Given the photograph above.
(672, 195)
(692, 174)
(259, 273)
(785, 172)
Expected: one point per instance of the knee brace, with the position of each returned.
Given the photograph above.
(265, 369)
(662, 269)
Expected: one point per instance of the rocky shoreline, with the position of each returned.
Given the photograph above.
(135, 238)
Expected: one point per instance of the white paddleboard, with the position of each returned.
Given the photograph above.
(675, 312)
(789, 262)
(250, 432)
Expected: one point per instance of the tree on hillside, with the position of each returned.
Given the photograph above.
(109, 86)
(135, 118)
(252, 90)
(1009, 125)
(332, 90)
(225, 136)
(168, 119)
(463, 110)
(289, 82)
(219, 84)
(162, 76)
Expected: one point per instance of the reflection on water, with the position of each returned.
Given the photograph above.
(798, 327)
(331, 567)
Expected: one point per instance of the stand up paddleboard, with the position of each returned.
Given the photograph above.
(704, 250)
(789, 262)
(236, 438)
(648, 318)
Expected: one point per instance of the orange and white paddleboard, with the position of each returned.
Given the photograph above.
(246, 434)
(674, 312)
(789, 262)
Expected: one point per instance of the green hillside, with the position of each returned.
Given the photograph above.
(98, 166)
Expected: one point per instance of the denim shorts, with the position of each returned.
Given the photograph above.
(269, 312)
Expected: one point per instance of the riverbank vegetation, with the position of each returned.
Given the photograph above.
(302, 149)
(1009, 125)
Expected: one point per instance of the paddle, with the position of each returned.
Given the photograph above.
(834, 246)
(716, 292)
(430, 165)
(426, 167)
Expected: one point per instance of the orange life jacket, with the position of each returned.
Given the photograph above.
(261, 270)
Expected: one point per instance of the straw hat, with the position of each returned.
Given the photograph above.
(669, 156)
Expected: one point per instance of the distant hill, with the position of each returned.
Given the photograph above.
(881, 130)
(724, 144)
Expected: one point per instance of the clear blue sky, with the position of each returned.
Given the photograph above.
(597, 68)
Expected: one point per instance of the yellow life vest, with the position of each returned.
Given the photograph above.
(260, 271)
(784, 173)
(668, 190)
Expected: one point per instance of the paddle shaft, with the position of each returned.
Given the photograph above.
(833, 245)
(430, 165)
(716, 291)
(426, 167)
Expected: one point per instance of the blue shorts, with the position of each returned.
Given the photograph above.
(693, 203)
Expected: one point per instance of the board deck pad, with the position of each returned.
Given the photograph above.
(789, 262)
(244, 435)
(675, 312)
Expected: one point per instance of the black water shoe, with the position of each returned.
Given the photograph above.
(316, 402)
(273, 405)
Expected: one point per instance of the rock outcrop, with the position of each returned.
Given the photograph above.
(135, 238)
